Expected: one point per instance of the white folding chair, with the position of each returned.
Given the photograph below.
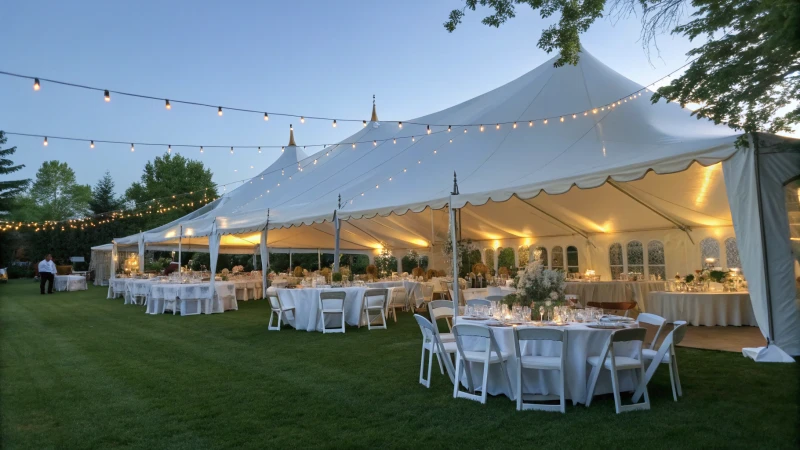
(374, 307)
(427, 292)
(278, 310)
(537, 362)
(654, 320)
(331, 303)
(397, 301)
(665, 355)
(479, 302)
(433, 345)
(609, 360)
(442, 309)
(487, 353)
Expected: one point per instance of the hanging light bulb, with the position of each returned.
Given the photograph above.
(585, 113)
(231, 150)
(562, 118)
(169, 149)
(36, 86)
(530, 123)
(282, 149)
(259, 149)
(574, 116)
(481, 128)
(405, 170)
(497, 127)
(364, 122)
(594, 111)
(168, 106)
(266, 117)
(45, 141)
(201, 149)
(514, 126)
(315, 161)
(400, 125)
(132, 149)
(107, 95)
(302, 119)
(219, 111)
(375, 143)
(545, 121)
(465, 131)
(429, 129)
(451, 141)
(334, 123)
(394, 141)
(413, 139)
(448, 128)
(91, 144)
(354, 145)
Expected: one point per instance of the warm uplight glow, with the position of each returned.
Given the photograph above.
(496, 244)
(708, 177)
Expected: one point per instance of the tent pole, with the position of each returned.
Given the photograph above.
(180, 237)
(576, 230)
(756, 148)
(454, 243)
(336, 227)
(319, 260)
(264, 257)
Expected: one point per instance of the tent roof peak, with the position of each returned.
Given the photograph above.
(291, 137)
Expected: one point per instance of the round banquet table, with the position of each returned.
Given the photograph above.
(69, 283)
(703, 308)
(582, 342)
(189, 296)
(614, 291)
(305, 302)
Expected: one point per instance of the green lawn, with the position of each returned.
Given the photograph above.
(80, 371)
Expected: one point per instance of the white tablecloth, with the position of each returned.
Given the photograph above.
(413, 289)
(116, 287)
(582, 342)
(306, 304)
(703, 308)
(70, 283)
(614, 291)
(472, 293)
(224, 300)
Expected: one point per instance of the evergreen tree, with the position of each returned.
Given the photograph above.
(103, 198)
(9, 188)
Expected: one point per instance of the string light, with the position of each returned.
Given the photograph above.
(364, 122)
(132, 148)
(574, 116)
(168, 106)
(375, 143)
(266, 117)
(545, 121)
(394, 141)
(562, 118)
(36, 86)
(231, 150)
(45, 141)
(429, 129)
(283, 149)
(259, 149)
(334, 123)
(219, 111)
(465, 131)
(448, 128)
(481, 128)
(354, 145)
(201, 149)
(91, 145)
(514, 126)
(497, 127)
(107, 96)
(400, 125)
(169, 149)
(530, 123)
(413, 139)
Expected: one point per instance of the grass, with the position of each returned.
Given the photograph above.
(80, 371)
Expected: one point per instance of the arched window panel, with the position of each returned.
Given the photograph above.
(558, 257)
(732, 254)
(709, 248)
(615, 260)
(572, 260)
(489, 258)
(540, 254)
(656, 262)
(635, 251)
(505, 257)
(524, 255)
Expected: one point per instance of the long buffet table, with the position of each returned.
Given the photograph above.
(703, 308)
(614, 291)
(188, 298)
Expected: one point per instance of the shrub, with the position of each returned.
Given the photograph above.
(17, 271)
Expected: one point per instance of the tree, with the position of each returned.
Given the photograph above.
(171, 180)
(55, 194)
(747, 75)
(9, 188)
(103, 199)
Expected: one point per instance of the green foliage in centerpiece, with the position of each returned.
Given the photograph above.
(336, 277)
(537, 286)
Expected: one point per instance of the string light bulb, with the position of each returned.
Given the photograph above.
(219, 111)
(364, 122)
(132, 148)
(530, 123)
(36, 86)
(574, 116)
(354, 145)
(514, 126)
(394, 141)
(259, 149)
(167, 105)
(169, 149)
(481, 128)
(45, 141)
(107, 95)
(400, 125)
(562, 118)
(429, 129)
(375, 143)
(413, 139)
(91, 145)
(497, 127)
(302, 119)
(334, 123)
(545, 121)
(201, 149)
(465, 131)
(266, 117)
(283, 149)
(231, 150)
(448, 128)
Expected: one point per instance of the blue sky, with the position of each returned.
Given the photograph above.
(304, 57)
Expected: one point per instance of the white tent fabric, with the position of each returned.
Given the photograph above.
(100, 263)
(604, 162)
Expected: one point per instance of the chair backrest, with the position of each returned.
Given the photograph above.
(679, 332)
(427, 291)
(436, 304)
(398, 297)
(478, 302)
(483, 333)
(495, 298)
(673, 338)
(431, 334)
(333, 299)
(274, 300)
(426, 327)
(537, 334)
(376, 297)
(629, 334)
(655, 320)
(441, 309)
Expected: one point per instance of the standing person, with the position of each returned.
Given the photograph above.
(47, 272)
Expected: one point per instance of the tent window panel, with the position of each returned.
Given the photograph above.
(558, 257)
(615, 260)
(732, 254)
(505, 258)
(540, 254)
(572, 259)
(709, 248)
(635, 251)
(656, 263)
(524, 255)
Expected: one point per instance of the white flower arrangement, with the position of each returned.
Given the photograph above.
(535, 284)
(237, 269)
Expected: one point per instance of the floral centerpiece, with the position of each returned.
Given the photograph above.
(540, 288)
(237, 269)
(372, 271)
(417, 272)
(345, 271)
(326, 272)
(298, 272)
(225, 272)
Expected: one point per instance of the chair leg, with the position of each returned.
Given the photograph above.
(485, 382)
(615, 386)
(519, 387)
(422, 380)
(563, 391)
(457, 381)
(430, 364)
(439, 359)
(592, 384)
(674, 361)
(672, 382)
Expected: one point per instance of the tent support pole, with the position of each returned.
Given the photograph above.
(180, 249)
(454, 243)
(756, 148)
(686, 229)
(580, 232)
(337, 227)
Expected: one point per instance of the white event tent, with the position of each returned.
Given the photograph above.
(575, 156)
